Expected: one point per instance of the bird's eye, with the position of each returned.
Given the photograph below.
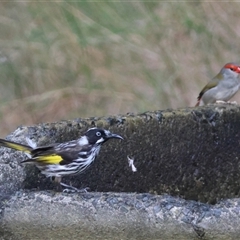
(231, 69)
(98, 134)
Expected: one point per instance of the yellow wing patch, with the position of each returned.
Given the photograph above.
(17, 147)
(49, 159)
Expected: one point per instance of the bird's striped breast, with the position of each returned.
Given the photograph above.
(77, 165)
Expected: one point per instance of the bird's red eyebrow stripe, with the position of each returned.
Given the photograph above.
(230, 65)
(234, 67)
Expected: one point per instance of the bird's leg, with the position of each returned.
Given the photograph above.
(57, 181)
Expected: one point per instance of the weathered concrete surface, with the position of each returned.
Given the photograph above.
(192, 153)
(43, 215)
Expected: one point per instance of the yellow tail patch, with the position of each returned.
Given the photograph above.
(17, 147)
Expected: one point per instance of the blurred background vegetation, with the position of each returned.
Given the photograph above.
(66, 60)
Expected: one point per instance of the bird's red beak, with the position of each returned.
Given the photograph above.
(238, 69)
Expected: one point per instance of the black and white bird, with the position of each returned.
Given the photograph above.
(60, 159)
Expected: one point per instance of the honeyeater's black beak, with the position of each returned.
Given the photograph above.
(112, 135)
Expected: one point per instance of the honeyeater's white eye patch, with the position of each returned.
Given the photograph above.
(98, 134)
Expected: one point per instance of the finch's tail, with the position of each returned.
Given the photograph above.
(198, 102)
(16, 146)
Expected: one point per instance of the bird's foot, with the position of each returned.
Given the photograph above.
(71, 189)
(228, 102)
(233, 103)
(221, 102)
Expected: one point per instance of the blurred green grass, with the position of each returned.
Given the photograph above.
(80, 59)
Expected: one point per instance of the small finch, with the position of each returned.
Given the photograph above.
(222, 87)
